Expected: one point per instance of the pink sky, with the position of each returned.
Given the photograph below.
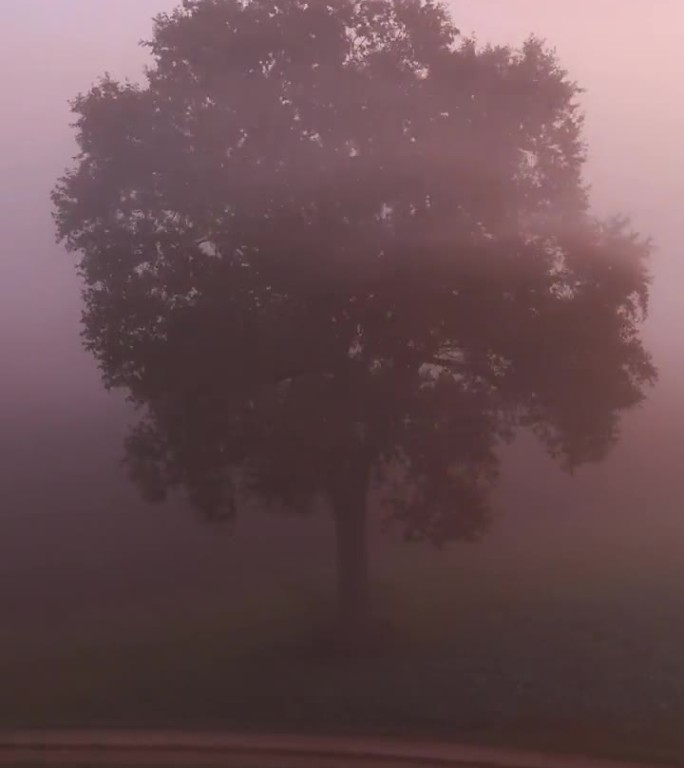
(627, 53)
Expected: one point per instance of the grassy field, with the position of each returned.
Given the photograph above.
(552, 657)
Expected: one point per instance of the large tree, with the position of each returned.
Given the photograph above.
(332, 246)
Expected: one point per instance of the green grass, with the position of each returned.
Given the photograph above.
(566, 659)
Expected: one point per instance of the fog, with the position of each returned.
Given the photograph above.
(64, 503)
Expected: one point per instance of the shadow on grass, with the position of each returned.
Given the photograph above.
(598, 676)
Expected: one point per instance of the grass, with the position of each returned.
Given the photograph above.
(566, 659)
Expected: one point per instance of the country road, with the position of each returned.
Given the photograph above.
(195, 750)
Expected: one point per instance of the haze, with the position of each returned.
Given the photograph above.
(60, 487)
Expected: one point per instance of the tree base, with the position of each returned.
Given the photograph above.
(374, 638)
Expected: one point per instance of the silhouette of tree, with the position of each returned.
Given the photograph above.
(330, 247)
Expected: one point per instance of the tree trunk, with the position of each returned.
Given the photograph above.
(353, 584)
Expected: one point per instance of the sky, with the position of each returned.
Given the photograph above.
(626, 53)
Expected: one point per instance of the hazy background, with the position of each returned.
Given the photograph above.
(69, 521)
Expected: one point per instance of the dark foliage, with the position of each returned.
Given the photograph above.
(334, 246)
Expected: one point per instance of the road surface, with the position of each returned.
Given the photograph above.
(118, 749)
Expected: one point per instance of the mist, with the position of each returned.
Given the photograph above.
(74, 536)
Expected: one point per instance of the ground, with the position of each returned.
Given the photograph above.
(550, 657)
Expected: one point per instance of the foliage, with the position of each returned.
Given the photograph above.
(328, 246)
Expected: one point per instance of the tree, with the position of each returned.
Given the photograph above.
(329, 247)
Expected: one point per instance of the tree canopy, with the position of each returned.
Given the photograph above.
(331, 246)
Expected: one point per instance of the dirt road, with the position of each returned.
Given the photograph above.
(196, 750)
